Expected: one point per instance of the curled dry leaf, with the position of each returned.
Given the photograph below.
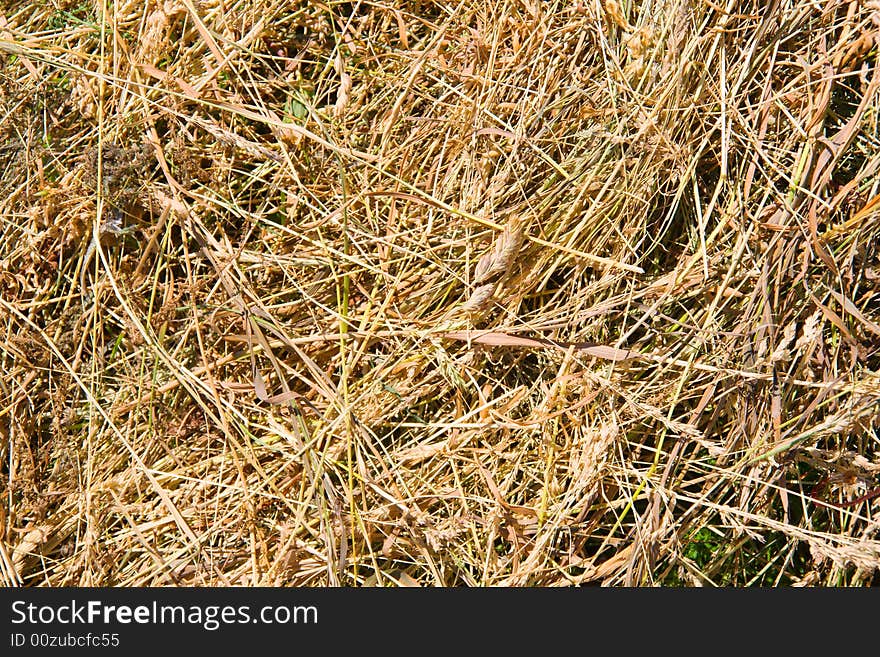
(342, 95)
(615, 15)
(344, 88)
(31, 541)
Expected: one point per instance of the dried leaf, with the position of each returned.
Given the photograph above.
(28, 545)
(851, 308)
(344, 90)
(505, 340)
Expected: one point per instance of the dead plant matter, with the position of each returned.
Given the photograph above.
(418, 293)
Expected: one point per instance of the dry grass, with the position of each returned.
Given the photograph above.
(419, 293)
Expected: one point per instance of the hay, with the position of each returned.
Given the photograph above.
(516, 293)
